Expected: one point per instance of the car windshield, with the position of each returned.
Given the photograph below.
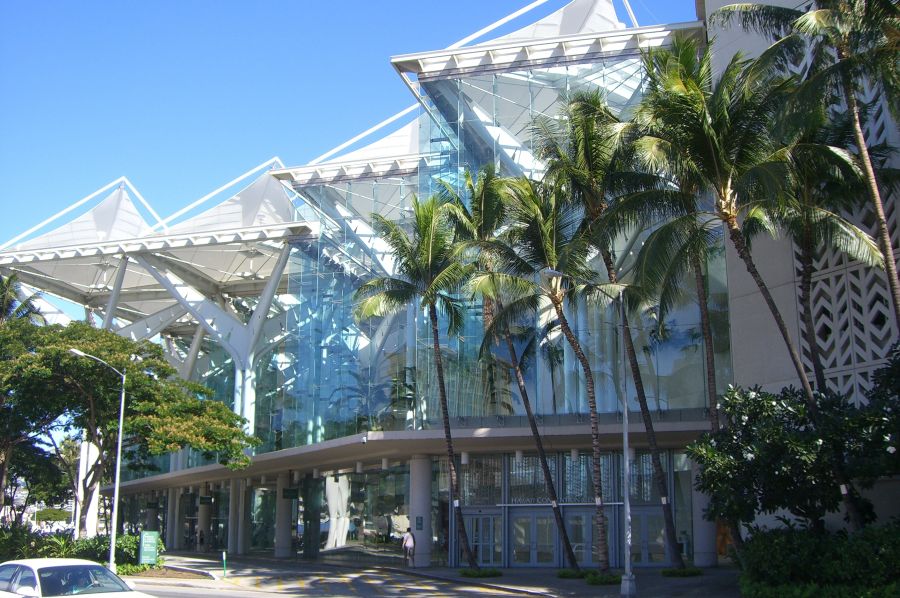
(68, 580)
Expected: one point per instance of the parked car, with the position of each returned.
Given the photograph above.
(61, 577)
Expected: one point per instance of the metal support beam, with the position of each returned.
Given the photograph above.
(113, 302)
(188, 366)
(152, 324)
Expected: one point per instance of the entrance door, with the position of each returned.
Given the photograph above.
(532, 539)
(648, 538)
(581, 529)
(485, 538)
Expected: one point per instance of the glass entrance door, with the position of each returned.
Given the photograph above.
(485, 538)
(532, 539)
(581, 528)
(648, 538)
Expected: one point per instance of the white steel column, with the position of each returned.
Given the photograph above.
(420, 507)
(282, 517)
(113, 302)
(203, 518)
(234, 514)
(187, 367)
(705, 553)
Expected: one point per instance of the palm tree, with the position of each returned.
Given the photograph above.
(586, 156)
(428, 270)
(544, 261)
(478, 222)
(825, 182)
(13, 305)
(852, 43)
(724, 132)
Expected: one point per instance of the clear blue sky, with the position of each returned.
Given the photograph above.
(181, 96)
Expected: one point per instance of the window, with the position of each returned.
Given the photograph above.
(6, 575)
(26, 580)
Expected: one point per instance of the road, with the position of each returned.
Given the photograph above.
(337, 584)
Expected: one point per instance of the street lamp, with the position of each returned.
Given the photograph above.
(115, 505)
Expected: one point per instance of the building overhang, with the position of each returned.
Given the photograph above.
(336, 172)
(521, 54)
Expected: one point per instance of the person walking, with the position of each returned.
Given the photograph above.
(409, 547)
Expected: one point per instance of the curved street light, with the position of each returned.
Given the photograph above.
(115, 506)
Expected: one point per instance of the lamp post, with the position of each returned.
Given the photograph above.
(115, 505)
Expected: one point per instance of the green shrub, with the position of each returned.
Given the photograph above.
(52, 514)
(686, 572)
(751, 589)
(793, 556)
(595, 578)
(571, 573)
(129, 569)
(17, 542)
(477, 573)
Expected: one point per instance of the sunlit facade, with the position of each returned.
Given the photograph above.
(253, 297)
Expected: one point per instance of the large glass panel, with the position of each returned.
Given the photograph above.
(262, 518)
(545, 539)
(481, 481)
(526, 480)
(521, 539)
(644, 490)
(682, 499)
(578, 527)
(579, 480)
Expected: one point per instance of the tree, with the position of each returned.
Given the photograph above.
(824, 183)
(542, 264)
(163, 413)
(853, 43)
(587, 159)
(35, 477)
(724, 131)
(23, 417)
(478, 222)
(13, 305)
(429, 270)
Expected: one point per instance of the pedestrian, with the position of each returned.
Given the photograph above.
(200, 539)
(409, 547)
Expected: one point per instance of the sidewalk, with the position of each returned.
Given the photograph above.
(266, 572)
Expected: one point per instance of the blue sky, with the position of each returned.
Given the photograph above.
(181, 96)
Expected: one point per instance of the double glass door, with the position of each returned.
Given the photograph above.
(580, 526)
(532, 539)
(648, 538)
(486, 539)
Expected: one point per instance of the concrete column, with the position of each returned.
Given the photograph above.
(243, 528)
(173, 522)
(420, 507)
(203, 518)
(234, 514)
(283, 517)
(705, 554)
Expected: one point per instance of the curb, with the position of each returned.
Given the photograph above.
(207, 574)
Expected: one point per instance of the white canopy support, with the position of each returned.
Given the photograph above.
(113, 302)
(152, 324)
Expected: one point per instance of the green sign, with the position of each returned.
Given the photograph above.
(290, 493)
(206, 500)
(148, 554)
(153, 505)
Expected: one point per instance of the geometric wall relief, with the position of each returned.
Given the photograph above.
(851, 310)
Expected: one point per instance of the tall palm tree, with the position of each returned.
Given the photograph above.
(478, 220)
(724, 131)
(852, 43)
(478, 223)
(825, 182)
(544, 264)
(586, 157)
(428, 273)
(13, 305)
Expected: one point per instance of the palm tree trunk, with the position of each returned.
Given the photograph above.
(740, 245)
(542, 455)
(659, 475)
(487, 316)
(4, 470)
(708, 348)
(600, 517)
(451, 457)
(847, 490)
(884, 235)
(806, 272)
